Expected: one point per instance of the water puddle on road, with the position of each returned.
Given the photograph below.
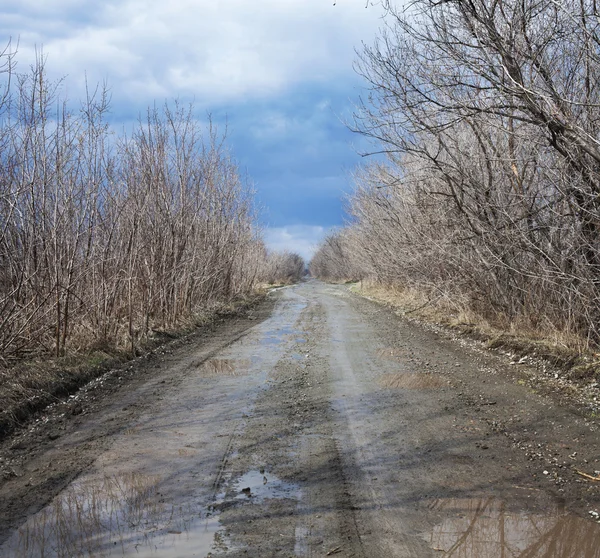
(297, 356)
(411, 381)
(282, 331)
(487, 528)
(277, 336)
(271, 339)
(226, 367)
(122, 515)
(261, 485)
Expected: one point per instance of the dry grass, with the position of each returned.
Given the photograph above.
(29, 386)
(436, 309)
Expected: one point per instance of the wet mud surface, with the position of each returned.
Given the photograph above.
(324, 426)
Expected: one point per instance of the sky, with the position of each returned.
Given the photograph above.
(279, 73)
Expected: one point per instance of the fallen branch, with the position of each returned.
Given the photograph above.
(585, 475)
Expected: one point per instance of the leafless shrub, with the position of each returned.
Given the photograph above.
(282, 268)
(104, 238)
(335, 259)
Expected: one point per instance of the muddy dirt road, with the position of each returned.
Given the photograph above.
(330, 428)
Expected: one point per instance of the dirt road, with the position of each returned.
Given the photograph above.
(330, 428)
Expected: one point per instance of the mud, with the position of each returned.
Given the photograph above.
(332, 427)
(225, 366)
(411, 381)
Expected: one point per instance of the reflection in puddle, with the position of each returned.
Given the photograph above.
(226, 367)
(261, 485)
(485, 528)
(411, 381)
(271, 340)
(117, 516)
(276, 336)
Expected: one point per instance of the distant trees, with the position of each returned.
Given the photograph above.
(104, 237)
(282, 267)
(488, 114)
(335, 260)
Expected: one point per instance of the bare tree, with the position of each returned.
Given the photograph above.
(487, 113)
(282, 267)
(104, 239)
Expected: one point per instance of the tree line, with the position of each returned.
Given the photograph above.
(486, 116)
(106, 236)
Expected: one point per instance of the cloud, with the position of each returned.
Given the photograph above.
(301, 239)
(215, 51)
(298, 153)
(278, 72)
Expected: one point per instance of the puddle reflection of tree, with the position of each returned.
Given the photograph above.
(88, 516)
(486, 529)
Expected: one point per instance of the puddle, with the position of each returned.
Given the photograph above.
(300, 340)
(298, 356)
(271, 340)
(411, 381)
(486, 528)
(262, 485)
(277, 336)
(226, 367)
(132, 514)
(201, 537)
(117, 516)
